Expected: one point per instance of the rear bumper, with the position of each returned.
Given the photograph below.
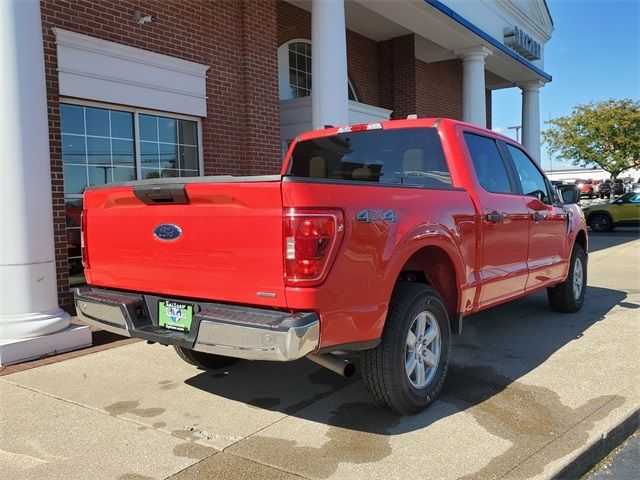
(229, 330)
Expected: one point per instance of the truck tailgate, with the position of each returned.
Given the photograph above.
(229, 248)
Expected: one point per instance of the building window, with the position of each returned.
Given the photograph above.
(294, 60)
(168, 147)
(99, 147)
(300, 69)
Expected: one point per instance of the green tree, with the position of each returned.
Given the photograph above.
(606, 134)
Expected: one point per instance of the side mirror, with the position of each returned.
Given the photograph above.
(569, 194)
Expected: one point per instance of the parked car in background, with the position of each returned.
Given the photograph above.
(606, 189)
(635, 188)
(624, 210)
(585, 187)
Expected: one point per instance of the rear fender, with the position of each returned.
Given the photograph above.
(428, 235)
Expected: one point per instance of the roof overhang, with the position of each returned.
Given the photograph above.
(440, 31)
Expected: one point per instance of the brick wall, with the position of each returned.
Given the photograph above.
(411, 86)
(397, 70)
(236, 38)
(439, 89)
(362, 52)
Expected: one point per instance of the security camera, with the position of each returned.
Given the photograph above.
(142, 19)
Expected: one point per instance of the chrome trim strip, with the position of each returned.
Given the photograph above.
(251, 342)
(104, 316)
(255, 343)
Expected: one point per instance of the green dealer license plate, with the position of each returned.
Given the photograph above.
(174, 315)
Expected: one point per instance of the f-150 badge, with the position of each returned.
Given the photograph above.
(371, 215)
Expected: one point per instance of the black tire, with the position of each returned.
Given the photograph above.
(206, 361)
(600, 222)
(562, 297)
(383, 368)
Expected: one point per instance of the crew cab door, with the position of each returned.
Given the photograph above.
(504, 222)
(548, 255)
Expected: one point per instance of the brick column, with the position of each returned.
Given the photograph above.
(261, 108)
(397, 65)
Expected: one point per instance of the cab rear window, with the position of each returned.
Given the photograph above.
(408, 156)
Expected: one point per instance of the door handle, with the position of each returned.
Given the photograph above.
(536, 217)
(495, 217)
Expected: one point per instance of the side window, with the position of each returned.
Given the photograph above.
(630, 198)
(531, 179)
(488, 163)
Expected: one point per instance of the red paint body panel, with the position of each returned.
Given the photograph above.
(353, 299)
(231, 249)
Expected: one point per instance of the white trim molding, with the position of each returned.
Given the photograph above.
(100, 70)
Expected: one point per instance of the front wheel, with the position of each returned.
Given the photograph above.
(206, 361)
(407, 370)
(568, 296)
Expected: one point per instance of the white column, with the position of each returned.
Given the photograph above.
(531, 118)
(28, 298)
(329, 95)
(474, 101)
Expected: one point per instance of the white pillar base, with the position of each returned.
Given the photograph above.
(24, 349)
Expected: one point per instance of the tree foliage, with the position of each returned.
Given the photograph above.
(606, 134)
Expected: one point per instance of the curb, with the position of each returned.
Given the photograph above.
(599, 449)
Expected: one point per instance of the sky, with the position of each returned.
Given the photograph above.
(593, 54)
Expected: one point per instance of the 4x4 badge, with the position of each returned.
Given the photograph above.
(371, 215)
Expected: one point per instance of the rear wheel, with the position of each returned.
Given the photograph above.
(599, 222)
(407, 370)
(206, 361)
(568, 296)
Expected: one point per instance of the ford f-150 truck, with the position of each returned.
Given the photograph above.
(376, 238)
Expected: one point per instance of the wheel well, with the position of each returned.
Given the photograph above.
(581, 239)
(432, 266)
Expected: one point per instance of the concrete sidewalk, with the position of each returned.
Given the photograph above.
(528, 393)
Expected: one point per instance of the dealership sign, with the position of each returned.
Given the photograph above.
(522, 43)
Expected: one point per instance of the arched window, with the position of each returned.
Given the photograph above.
(294, 70)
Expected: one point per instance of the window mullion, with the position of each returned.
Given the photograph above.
(136, 140)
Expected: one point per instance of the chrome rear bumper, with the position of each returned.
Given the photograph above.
(229, 330)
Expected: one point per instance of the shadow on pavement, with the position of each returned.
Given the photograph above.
(619, 236)
(498, 346)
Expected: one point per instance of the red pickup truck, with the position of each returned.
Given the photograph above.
(377, 238)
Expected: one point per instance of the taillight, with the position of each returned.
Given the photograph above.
(311, 240)
(83, 238)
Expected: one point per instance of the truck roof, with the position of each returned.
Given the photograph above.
(429, 122)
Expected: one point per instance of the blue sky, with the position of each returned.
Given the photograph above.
(594, 54)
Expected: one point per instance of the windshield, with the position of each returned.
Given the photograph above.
(407, 156)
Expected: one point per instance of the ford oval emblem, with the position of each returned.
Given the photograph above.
(167, 232)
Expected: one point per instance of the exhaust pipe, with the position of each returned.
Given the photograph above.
(341, 366)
